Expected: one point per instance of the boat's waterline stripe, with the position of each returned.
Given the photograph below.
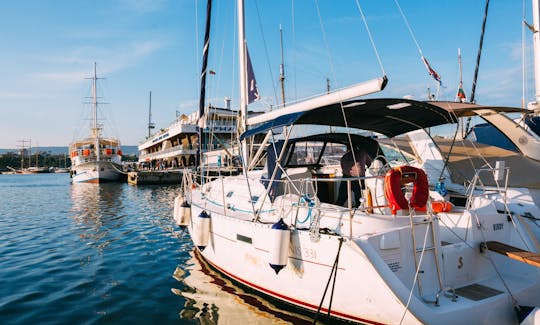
(292, 300)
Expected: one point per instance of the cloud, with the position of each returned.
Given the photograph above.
(143, 6)
(114, 59)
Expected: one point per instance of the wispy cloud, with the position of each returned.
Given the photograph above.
(114, 59)
(143, 6)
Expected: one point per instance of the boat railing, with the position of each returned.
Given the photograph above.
(323, 188)
(476, 187)
(180, 150)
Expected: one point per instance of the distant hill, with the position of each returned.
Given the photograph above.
(128, 150)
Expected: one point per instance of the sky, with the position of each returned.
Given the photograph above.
(48, 48)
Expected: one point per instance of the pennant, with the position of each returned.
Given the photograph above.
(253, 91)
(432, 72)
(461, 94)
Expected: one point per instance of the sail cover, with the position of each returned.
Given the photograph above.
(387, 116)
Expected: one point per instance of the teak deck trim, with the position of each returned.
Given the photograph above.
(515, 253)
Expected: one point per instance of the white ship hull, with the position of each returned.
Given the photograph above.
(373, 281)
(96, 172)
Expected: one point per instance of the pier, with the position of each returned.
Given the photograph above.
(143, 177)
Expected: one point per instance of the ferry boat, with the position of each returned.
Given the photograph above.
(176, 146)
(95, 159)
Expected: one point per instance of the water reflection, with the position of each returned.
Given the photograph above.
(212, 299)
(97, 210)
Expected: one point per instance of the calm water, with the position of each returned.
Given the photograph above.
(107, 254)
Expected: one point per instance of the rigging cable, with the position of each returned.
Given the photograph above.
(294, 46)
(431, 72)
(364, 20)
(266, 51)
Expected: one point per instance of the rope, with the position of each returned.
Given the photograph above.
(333, 273)
(118, 170)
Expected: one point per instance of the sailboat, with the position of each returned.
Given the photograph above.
(399, 259)
(95, 159)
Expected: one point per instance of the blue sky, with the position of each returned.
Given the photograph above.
(48, 49)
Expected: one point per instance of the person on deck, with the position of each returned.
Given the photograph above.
(353, 164)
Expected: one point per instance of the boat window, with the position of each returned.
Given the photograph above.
(332, 154)
(403, 155)
(305, 153)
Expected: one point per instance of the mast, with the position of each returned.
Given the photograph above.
(242, 66)
(95, 126)
(282, 67)
(96, 131)
(460, 94)
(202, 96)
(479, 54)
(536, 47)
(150, 124)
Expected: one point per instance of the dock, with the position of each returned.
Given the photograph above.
(143, 177)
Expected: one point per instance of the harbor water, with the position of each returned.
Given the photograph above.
(108, 254)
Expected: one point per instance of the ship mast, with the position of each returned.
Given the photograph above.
(242, 66)
(536, 47)
(282, 68)
(95, 126)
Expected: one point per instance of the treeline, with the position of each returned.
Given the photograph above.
(43, 159)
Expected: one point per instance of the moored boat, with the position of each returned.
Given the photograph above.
(95, 159)
(389, 254)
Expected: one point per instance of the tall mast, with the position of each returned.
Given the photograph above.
(460, 66)
(460, 94)
(282, 68)
(150, 124)
(478, 56)
(242, 66)
(536, 47)
(95, 126)
(202, 95)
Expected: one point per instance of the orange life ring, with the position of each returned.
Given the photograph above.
(396, 177)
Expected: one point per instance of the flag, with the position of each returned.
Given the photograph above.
(461, 94)
(253, 91)
(432, 72)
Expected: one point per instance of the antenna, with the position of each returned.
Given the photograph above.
(150, 124)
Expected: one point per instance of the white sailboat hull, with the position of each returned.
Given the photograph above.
(367, 289)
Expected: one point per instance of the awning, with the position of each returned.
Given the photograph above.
(470, 109)
(387, 116)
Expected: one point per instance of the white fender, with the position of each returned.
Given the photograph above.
(201, 230)
(182, 211)
(279, 249)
